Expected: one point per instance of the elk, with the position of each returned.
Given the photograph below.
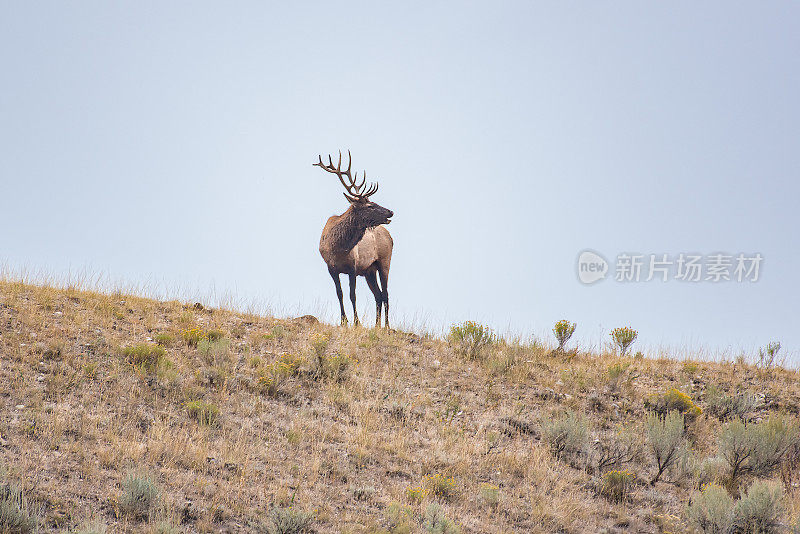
(354, 243)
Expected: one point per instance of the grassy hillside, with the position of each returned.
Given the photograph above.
(125, 414)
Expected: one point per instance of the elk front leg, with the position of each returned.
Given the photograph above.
(353, 298)
(372, 282)
(339, 294)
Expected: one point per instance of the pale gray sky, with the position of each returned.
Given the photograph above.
(171, 144)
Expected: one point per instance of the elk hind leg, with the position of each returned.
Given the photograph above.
(384, 274)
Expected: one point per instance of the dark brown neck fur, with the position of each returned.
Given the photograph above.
(346, 233)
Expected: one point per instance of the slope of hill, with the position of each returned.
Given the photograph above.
(125, 414)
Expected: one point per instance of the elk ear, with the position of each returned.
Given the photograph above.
(349, 199)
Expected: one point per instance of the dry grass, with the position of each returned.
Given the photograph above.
(239, 418)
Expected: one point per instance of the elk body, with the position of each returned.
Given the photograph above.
(354, 243)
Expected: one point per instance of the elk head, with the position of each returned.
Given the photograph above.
(367, 213)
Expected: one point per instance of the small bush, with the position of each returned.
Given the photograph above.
(768, 358)
(674, 400)
(760, 509)
(725, 407)
(615, 485)
(290, 521)
(337, 367)
(666, 440)
(502, 361)
(690, 367)
(17, 516)
(712, 470)
(416, 494)
(362, 493)
(90, 370)
(711, 510)
(490, 494)
(215, 335)
(436, 522)
(567, 434)
(203, 412)
(623, 338)
(617, 374)
(192, 336)
(165, 340)
(400, 518)
(146, 355)
(441, 486)
(319, 344)
(563, 330)
(275, 374)
(471, 340)
(756, 449)
(139, 496)
(213, 350)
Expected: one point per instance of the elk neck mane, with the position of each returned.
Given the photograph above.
(345, 233)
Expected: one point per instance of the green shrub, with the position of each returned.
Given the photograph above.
(203, 412)
(337, 367)
(756, 449)
(712, 470)
(615, 485)
(319, 343)
(471, 340)
(725, 407)
(213, 350)
(140, 495)
(214, 335)
(436, 522)
(502, 361)
(490, 494)
(623, 338)
(690, 367)
(165, 340)
(768, 358)
(567, 434)
(399, 517)
(441, 486)
(666, 440)
(674, 400)
(192, 336)
(273, 375)
(416, 494)
(617, 374)
(17, 516)
(711, 510)
(290, 521)
(563, 330)
(146, 355)
(760, 510)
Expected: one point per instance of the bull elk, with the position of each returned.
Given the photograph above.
(355, 243)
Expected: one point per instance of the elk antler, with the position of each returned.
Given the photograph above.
(355, 190)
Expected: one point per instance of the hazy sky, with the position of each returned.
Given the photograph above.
(171, 143)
